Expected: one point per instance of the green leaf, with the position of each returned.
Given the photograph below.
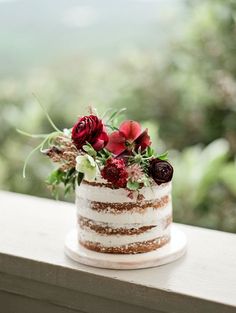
(228, 175)
(55, 177)
(86, 148)
(150, 151)
(70, 176)
(133, 185)
(103, 155)
(67, 190)
(58, 177)
(80, 177)
(163, 156)
(115, 114)
(90, 150)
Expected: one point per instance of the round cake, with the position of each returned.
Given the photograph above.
(112, 220)
(123, 186)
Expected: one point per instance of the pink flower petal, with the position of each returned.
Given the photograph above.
(116, 143)
(130, 129)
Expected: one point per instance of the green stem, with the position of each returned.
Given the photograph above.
(29, 156)
(39, 147)
(111, 127)
(115, 114)
(105, 113)
(47, 115)
(31, 135)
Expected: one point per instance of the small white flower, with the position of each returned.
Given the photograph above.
(85, 164)
(67, 132)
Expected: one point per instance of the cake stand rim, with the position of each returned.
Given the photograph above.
(172, 251)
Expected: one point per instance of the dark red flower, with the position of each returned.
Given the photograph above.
(160, 171)
(128, 137)
(115, 172)
(143, 140)
(89, 129)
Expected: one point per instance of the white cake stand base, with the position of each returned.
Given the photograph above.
(169, 253)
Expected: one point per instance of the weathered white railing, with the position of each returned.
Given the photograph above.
(36, 276)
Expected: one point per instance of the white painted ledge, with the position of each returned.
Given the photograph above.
(36, 276)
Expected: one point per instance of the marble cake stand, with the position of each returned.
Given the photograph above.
(169, 253)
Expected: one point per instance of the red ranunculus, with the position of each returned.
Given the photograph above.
(128, 137)
(161, 171)
(115, 172)
(89, 129)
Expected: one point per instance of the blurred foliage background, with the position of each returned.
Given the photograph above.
(178, 77)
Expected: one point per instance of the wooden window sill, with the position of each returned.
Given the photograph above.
(36, 276)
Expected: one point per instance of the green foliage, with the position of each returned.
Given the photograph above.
(90, 150)
(114, 120)
(103, 155)
(203, 183)
(132, 185)
(163, 156)
(80, 177)
(227, 175)
(46, 141)
(67, 179)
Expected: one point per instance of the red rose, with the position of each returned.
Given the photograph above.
(129, 136)
(89, 129)
(114, 171)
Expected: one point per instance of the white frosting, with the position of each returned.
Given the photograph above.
(105, 194)
(130, 218)
(120, 240)
(150, 217)
(98, 179)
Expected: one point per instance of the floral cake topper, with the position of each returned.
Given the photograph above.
(95, 148)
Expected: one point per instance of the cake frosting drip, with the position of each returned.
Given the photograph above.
(111, 221)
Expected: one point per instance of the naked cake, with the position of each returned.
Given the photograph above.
(123, 187)
(110, 221)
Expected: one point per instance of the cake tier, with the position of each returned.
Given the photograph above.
(110, 221)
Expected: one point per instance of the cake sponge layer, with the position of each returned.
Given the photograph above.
(138, 247)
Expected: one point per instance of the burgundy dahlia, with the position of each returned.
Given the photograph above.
(89, 129)
(115, 172)
(160, 171)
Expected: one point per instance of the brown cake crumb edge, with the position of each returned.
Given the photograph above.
(86, 223)
(134, 248)
(109, 185)
(139, 206)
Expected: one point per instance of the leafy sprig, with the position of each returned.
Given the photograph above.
(47, 138)
(46, 141)
(163, 156)
(66, 179)
(113, 120)
(100, 156)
